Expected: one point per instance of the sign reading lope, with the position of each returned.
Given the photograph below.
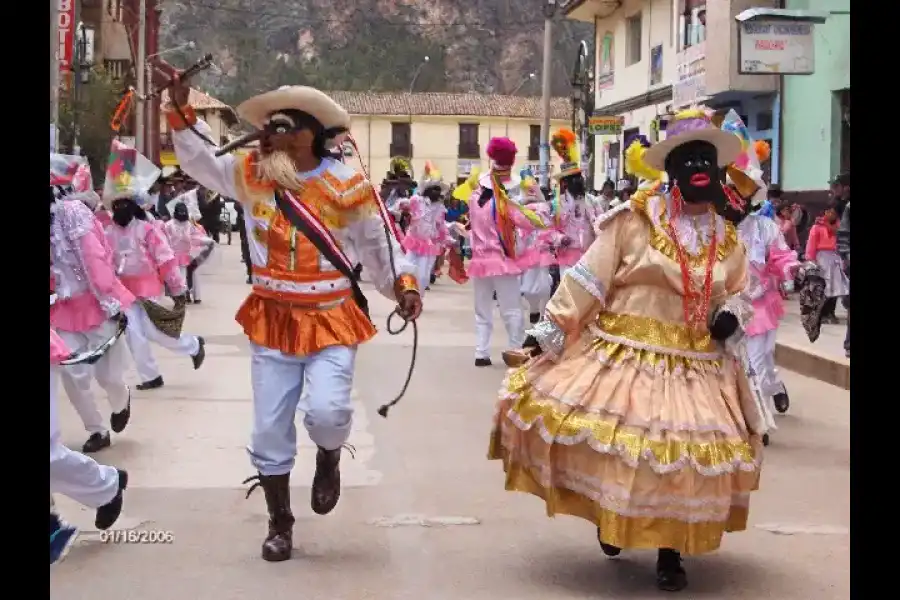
(776, 47)
(611, 125)
(66, 38)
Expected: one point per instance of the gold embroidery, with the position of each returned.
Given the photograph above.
(260, 235)
(656, 333)
(263, 210)
(660, 241)
(634, 445)
(331, 217)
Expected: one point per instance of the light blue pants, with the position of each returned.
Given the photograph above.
(278, 383)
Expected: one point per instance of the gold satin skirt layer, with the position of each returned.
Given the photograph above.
(301, 330)
(651, 448)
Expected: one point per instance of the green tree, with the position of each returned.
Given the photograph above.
(85, 114)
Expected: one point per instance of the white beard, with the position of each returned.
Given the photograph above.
(278, 167)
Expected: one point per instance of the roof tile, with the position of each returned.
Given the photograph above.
(446, 104)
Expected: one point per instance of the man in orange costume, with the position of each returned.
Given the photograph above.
(305, 317)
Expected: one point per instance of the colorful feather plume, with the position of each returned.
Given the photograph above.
(635, 165)
(762, 149)
(465, 190)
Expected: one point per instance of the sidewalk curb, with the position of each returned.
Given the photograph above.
(815, 366)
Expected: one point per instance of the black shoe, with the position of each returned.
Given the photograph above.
(608, 549)
(96, 442)
(118, 421)
(249, 281)
(765, 439)
(483, 362)
(188, 298)
(150, 385)
(782, 402)
(196, 301)
(201, 354)
(326, 486)
(533, 318)
(109, 512)
(670, 575)
(432, 279)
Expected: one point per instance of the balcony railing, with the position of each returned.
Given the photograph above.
(118, 69)
(402, 149)
(534, 153)
(469, 151)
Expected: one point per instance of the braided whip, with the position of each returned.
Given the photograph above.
(383, 409)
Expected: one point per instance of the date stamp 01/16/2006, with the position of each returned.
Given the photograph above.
(137, 536)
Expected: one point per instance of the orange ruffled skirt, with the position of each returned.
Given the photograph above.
(651, 448)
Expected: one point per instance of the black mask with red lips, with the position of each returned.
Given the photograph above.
(694, 167)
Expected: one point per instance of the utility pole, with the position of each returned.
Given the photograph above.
(140, 113)
(54, 62)
(549, 11)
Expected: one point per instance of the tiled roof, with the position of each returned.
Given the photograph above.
(442, 104)
(198, 100)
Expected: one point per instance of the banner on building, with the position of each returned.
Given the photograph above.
(605, 125)
(776, 47)
(690, 83)
(66, 39)
(606, 63)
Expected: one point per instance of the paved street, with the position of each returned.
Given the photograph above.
(423, 514)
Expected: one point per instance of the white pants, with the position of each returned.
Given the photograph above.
(536, 286)
(195, 289)
(141, 331)
(508, 292)
(279, 380)
(424, 266)
(108, 371)
(73, 474)
(761, 354)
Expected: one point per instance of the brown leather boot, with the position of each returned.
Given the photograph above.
(278, 544)
(326, 487)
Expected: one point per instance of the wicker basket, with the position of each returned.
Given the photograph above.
(169, 321)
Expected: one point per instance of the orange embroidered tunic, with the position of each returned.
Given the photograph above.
(300, 303)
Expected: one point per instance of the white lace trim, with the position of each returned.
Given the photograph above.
(684, 226)
(583, 276)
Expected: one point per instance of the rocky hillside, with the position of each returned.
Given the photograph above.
(487, 46)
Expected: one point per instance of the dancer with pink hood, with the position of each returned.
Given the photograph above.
(573, 216)
(427, 236)
(495, 215)
(536, 251)
(89, 299)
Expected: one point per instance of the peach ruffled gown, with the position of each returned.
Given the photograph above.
(630, 419)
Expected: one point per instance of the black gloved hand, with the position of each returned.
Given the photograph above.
(531, 346)
(486, 195)
(723, 326)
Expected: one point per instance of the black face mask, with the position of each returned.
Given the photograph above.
(180, 214)
(123, 212)
(433, 194)
(694, 168)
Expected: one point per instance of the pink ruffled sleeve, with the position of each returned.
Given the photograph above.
(164, 258)
(782, 260)
(98, 265)
(58, 348)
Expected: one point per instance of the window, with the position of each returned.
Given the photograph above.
(401, 137)
(633, 31)
(468, 141)
(692, 24)
(764, 120)
(534, 142)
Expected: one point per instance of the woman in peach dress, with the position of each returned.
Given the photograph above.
(631, 415)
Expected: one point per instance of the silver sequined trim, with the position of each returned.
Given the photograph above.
(551, 338)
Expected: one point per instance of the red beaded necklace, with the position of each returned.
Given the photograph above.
(695, 303)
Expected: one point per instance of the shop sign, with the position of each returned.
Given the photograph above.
(610, 125)
(777, 47)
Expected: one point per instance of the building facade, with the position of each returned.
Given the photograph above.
(816, 109)
(219, 116)
(657, 56)
(449, 130)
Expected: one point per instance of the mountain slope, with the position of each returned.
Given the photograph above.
(487, 46)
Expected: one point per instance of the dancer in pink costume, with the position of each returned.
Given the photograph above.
(188, 241)
(427, 236)
(772, 268)
(88, 301)
(497, 218)
(536, 252)
(144, 262)
(574, 217)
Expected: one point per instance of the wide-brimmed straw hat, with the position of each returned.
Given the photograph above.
(326, 111)
(689, 126)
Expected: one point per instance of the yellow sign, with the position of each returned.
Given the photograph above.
(605, 125)
(167, 158)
